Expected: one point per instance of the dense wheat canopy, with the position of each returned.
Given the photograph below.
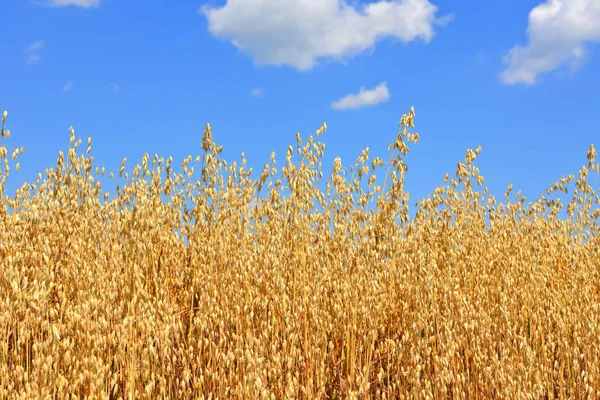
(204, 283)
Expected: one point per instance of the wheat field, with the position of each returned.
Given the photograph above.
(205, 283)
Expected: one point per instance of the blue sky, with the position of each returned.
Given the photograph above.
(519, 78)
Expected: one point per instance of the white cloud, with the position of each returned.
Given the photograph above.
(67, 86)
(35, 46)
(116, 88)
(34, 49)
(364, 98)
(558, 31)
(298, 33)
(77, 3)
(445, 20)
(253, 204)
(32, 59)
(258, 93)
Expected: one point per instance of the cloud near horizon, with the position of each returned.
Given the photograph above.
(364, 98)
(298, 33)
(558, 31)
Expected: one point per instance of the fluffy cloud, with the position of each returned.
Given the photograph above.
(77, 3)
(299, 32)
(557, 31)
(364, 98)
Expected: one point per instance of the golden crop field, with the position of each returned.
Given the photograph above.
(204, 283)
